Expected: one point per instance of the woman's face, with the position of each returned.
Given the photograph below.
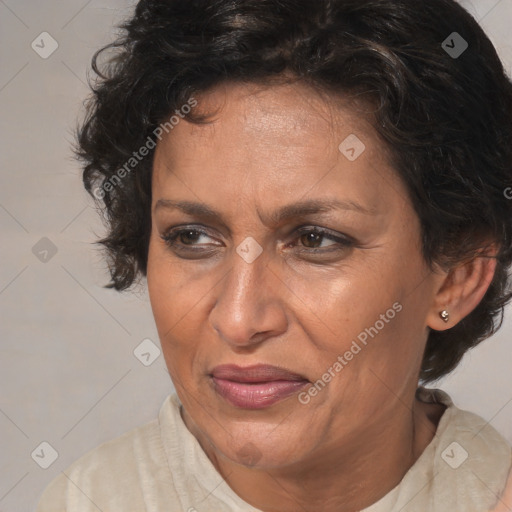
(335, 296)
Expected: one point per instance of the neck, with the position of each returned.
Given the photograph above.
(344, 476)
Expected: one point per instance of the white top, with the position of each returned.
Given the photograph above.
(161, 467)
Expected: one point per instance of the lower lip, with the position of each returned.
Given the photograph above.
(256, 395)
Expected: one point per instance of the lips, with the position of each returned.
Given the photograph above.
(255, 387)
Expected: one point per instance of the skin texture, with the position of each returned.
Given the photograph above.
(266, 148)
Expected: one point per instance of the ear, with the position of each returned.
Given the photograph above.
(460, 290)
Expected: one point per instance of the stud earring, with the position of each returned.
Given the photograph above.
(444, 315)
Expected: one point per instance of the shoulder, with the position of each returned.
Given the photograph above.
(475, 451)
(468, 461)
(465, 426)
(109, 475)
(473, 441)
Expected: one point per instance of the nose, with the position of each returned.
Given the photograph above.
(249, 307)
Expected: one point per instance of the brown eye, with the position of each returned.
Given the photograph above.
(313, 238)
(185, 238)
(189, 236)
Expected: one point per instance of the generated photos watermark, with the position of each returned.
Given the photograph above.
(356, 347)
(145, 149)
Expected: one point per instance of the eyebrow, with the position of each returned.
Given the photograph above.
(299, 209)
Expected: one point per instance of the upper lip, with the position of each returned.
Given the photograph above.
(255, 373)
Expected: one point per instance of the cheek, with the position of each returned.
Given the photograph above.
(179, 301)
(171, 299)
(370, 316)
(347, 299)
(158, 274)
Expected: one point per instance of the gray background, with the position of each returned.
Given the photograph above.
(68, 374)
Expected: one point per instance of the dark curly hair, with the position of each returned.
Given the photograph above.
(445, 118)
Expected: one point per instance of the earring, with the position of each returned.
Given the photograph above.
(444, 315)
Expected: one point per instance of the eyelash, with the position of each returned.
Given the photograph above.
(343, 242)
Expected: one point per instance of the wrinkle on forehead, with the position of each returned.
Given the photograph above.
(311, 107)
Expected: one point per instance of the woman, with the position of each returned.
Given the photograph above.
(316, 194)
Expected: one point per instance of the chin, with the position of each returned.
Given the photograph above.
(259, 446)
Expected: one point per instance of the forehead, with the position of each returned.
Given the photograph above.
(276, 113)
(291, 121)
(278, 142)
